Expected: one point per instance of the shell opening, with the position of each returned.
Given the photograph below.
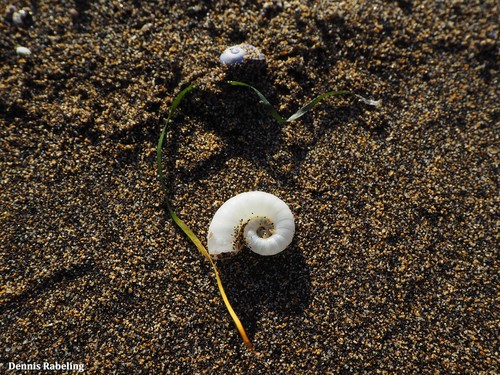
(265, 229)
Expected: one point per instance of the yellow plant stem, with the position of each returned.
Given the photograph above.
(195, 240)
(183, 225)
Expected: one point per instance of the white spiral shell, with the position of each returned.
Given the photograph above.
(258, 220)
(239, 53)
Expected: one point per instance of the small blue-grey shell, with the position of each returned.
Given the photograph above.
(239, 53)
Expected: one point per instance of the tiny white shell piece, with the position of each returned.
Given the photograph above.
(259, 220)
(239, 53)
(17, 18)
(23, 51)
(21, 17)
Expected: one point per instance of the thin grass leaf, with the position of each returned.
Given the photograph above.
(196, 241)
(305, 108)
(314, 102)
(375, 103)
(189, 233)
(263, 100)
(159, 148)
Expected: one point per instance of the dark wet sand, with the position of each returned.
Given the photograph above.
(394, 266)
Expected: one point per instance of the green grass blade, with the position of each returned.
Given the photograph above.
(305, 108)
(263, 100)
(314, 102)
(159, 147)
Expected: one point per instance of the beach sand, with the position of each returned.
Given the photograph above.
(394, 265)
